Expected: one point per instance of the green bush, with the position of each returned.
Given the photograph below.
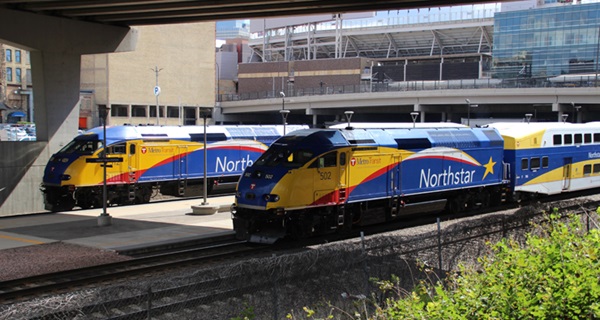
(556, 275)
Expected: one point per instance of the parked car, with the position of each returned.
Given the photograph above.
(28, 138)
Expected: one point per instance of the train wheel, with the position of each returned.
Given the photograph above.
(455, 205)
(85, 204)
(147, 194)
(484, 199)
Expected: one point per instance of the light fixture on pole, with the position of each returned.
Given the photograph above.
(528, 117)
(469, 106)
(284, 115)
(104, 219)
(564, 117)
(348, 118)
(205, 112)
(414, 116)
(575, 112)
(205, 208)
(282, 95)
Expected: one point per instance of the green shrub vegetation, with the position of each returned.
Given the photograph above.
(556, 275)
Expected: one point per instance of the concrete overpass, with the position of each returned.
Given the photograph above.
(547, 104)
(58, 32)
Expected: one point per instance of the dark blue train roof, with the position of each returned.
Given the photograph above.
(400, 138)
(115, 134)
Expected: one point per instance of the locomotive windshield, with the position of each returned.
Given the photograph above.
(82, 147)
(285, 157)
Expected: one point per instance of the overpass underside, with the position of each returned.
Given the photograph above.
(544, 104)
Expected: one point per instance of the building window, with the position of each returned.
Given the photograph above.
(172, 112)
(8, 55)
(18, 56)
(9, 74)
(153, 111)
(138, 111)
(18, 75)
(118, 111)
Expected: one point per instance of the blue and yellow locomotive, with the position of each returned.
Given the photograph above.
(168, 159)
(317, 181)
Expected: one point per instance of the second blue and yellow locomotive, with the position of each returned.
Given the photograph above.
(165, 159)
(321, 180)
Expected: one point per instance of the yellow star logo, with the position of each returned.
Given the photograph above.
(489, 168)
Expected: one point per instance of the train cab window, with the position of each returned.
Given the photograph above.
(568, 139)
(326, 161)
(587, 169)
(132, 149)
(596, 137)
(117, 149)
(578, 138)
(524, 164)
(596, 168)
(86, 147)
(587, 138)
(279, 156)
(544, 162)
(557, 139)
(534, 163)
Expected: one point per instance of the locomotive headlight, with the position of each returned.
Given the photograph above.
(65, 177)
(271, 198)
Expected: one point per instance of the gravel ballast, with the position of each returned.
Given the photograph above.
(39, 259)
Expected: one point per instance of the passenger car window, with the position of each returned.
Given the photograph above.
(524, 164)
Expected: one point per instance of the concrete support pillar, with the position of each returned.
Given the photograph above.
(56, 46)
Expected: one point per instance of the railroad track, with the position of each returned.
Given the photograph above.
(69, 280)
(205, 290)
(63, 281)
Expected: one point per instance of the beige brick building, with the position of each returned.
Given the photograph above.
(180, 57)
(15, 84)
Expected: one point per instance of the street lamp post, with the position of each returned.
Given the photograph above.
(414, 116)
(205, 208)
(104, 219)
(575, 112)
(284, 115)
(528, 117)
(348, 117)
(469, 106)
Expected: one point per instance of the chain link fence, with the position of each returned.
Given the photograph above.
(332, 279)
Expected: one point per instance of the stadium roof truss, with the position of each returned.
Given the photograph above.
(307, 42)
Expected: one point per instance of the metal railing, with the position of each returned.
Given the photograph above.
(400, 86)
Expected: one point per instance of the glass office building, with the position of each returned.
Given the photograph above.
(545, 42)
